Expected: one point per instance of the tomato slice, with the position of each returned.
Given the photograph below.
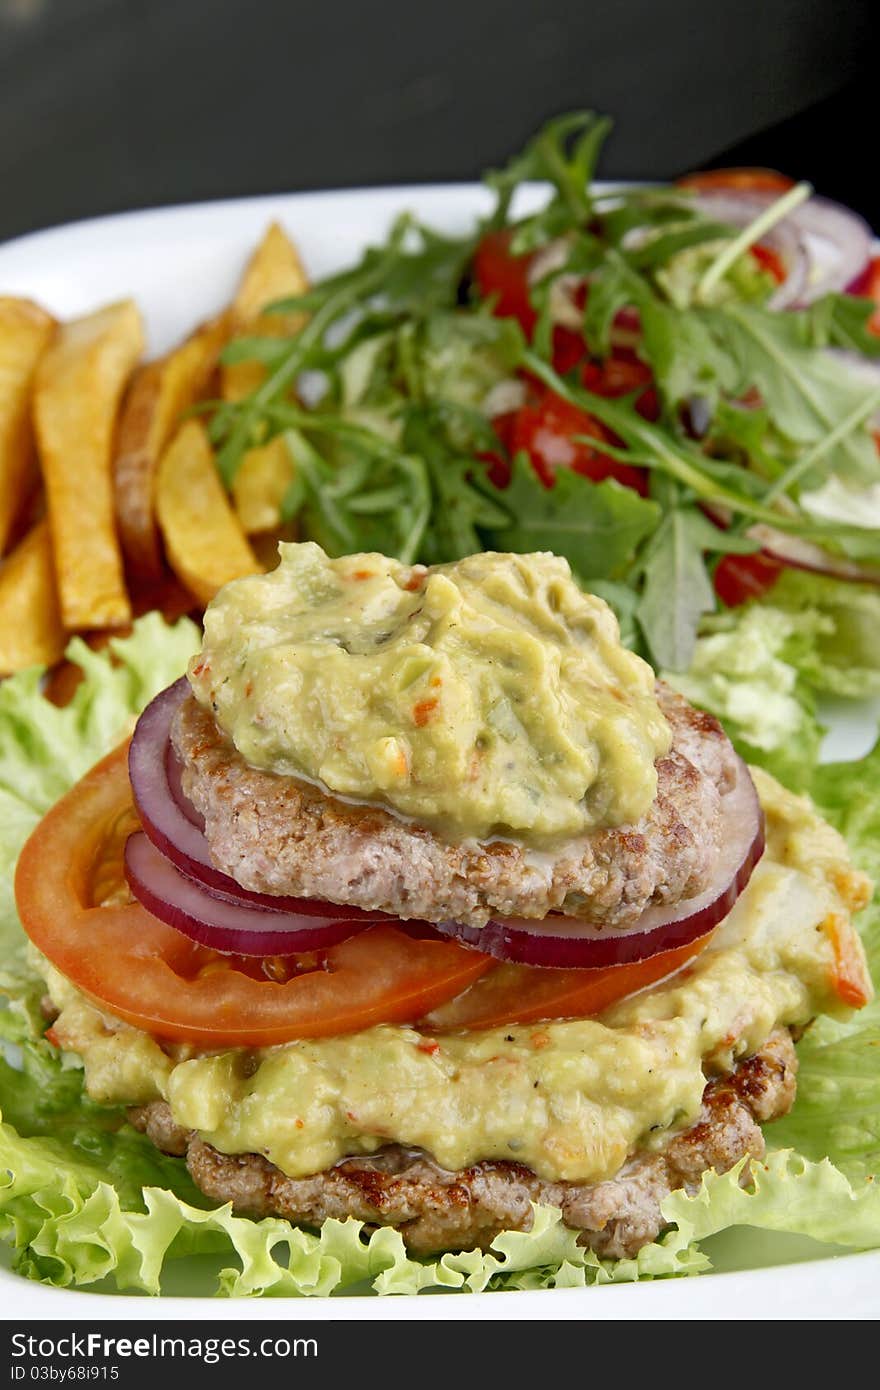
(738, 180)
(739, 578)
(526, 994)
(73, 906)
(769, 260)
(569, 349)
(868, 287)
(550, 431)
(619, 376)
(505, 277)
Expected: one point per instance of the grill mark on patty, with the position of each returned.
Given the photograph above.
(435, 1209)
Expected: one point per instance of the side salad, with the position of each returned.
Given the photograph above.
(667, 385)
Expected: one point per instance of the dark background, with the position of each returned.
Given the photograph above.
(109, 104)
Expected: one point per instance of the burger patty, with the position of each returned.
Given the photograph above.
(435, 1209)
(275, 834)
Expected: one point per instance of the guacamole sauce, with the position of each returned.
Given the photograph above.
(569, 1099)
(482, 698)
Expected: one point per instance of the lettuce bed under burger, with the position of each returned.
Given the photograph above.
(88, 1197)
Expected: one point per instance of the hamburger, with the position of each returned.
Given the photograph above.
(420, 901)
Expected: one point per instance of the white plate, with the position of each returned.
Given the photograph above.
(181, 265)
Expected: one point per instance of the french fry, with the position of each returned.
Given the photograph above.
(31, 631)
(203, 539)
(273, 272)
(25, 331)
(78, 385)
(260, 484)
(151, 411)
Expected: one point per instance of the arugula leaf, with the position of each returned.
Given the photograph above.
(634, 209)
(615, 286)
(743, 434)
(564, 154)
(652, 446)
(677, 588)
(805, 391)
(655, 250)
(460, 507)
(374, 496)
(684, 354)
(841, 320)
(596, 526)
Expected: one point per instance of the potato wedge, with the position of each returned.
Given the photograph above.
(78, 386)
(25, 332)
(31, 631)
(203, 539)
(151, 412)
(260, 484)
(274, 271)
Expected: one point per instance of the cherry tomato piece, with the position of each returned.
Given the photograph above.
(739, 578)
(551, 432)
(505, 278)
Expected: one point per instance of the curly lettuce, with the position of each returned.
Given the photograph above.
(86, 1201)
(762, 668)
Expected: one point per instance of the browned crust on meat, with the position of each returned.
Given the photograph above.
(438, 1210)
(278, 835)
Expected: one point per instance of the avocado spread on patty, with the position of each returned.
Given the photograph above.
(489, 697)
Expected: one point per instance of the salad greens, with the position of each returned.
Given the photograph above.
(393, 397)
(760, 668)
(86, 1201)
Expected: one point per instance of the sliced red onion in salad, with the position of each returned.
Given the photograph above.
(740, 209)
(569, 943)
(174, 825)
(796, 553)
(225, 923)
(824, 246)
(800, 554)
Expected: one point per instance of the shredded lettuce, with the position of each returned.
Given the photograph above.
(86, 1201)
(761, 667)
(745, 671)
(843, 657)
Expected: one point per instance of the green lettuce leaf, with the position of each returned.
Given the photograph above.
(843, 657)
(838, 1100)
(745, 671)
(785, 1193)
(760, 667)
(596, 526)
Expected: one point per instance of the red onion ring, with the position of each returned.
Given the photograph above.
(569, 943)
(224, 923)
(799, 554)
(796, 553)
(172, 823)
(818, 220)
(739, 209)
(174, 775)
